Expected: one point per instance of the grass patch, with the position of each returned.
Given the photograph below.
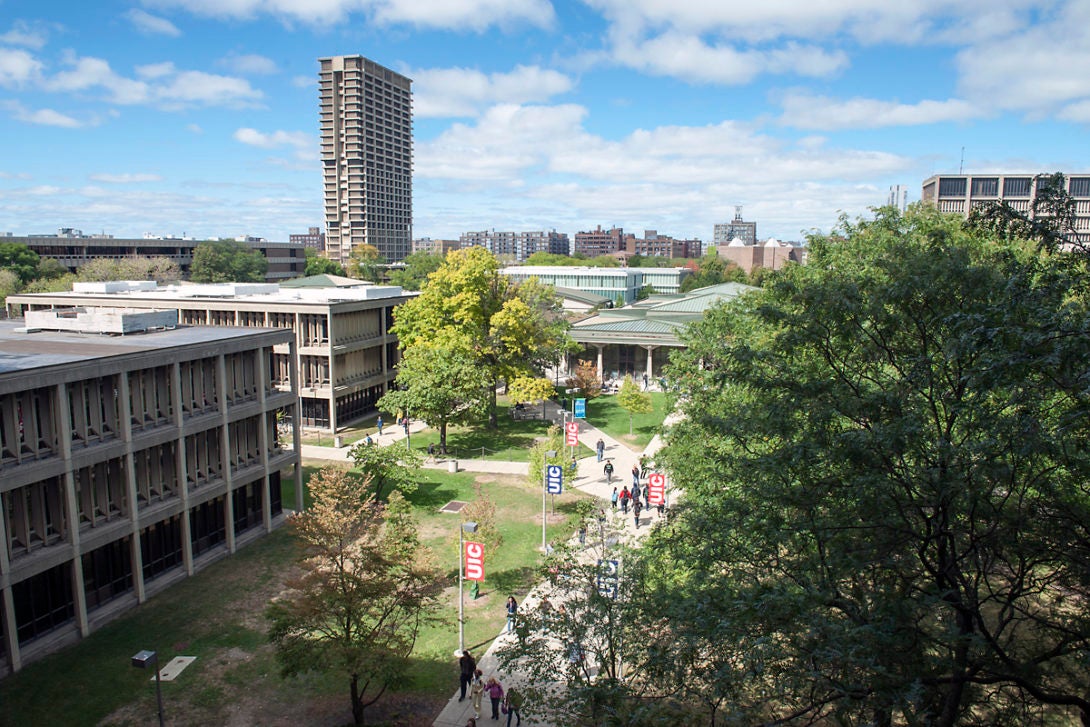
(604, 413)
(217, 616)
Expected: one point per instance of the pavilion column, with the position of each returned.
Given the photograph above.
(601, 371)
(650, 364)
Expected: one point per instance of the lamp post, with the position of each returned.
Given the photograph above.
(144, 659)
(544, 489)
(467, 527)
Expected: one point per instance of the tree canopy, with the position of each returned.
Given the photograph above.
(20, 260)
(159, 269)
(886, 517)
(508, 330)
(418, 266)
(1050, 221)
(367, 588)
(318, 265)
(632, 400)
(365, 263)
(227, 261)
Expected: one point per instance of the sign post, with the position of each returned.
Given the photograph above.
(551, 454)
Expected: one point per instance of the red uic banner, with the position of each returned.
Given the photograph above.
(474, 561)
(656, 489)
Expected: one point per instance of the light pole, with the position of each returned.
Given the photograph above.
(144, 659)
(467, 527)
(544, 489)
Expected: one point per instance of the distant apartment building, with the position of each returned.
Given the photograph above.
(961, 193)
(652, 244)
(343, 349)
(737, 228)
(367, 157)
(771, 254)
(898, 197)
(516, 246)
(286, 260)
(132, 454)
(598, 242)
(314, 239)
(435, 247)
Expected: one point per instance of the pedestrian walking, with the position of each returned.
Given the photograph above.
(635, 492)
(608, 469)
(546, 610)
(613, 499)
(495, 693)
(477, 691)
(512, 612)
(378, 423)
(466, 666)
(600, 448)
(513, 702)
(636, 511)
(625, 496)
(405, 425)
(636, 475)
(368, 441)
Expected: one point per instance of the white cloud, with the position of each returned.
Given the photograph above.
(152, 71)
(128, 178)
(194, 128)
(17, 67)
(43, 117)
(451, 14)
(804, 111)
(1076, 112)
(25, 34)
(87, 73)
(189, 88)
(249, 64)
(445, 92)
(306, 81)
(149, 24)
(303, 145)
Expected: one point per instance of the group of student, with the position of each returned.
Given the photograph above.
(473, 681)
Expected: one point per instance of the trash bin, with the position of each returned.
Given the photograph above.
(452, 465)
(338, 441)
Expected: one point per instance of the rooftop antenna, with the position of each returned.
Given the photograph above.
(961, 166)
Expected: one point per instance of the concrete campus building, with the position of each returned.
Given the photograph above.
(342, 348)
(367, 157)
(286, 259)
(637, 338)
(723, 233)
(132, 454)
(771, 254)
(960, 193)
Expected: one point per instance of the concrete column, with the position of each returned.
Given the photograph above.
(183, 486)
(296, 444)
(71, 504)
(227, 460)
(263, 357)
(650, 363)
(601, 371)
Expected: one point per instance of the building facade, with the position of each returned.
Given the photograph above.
(367, 157)
(286, 259)
(598, 242)
(435, 247)
(737, 228)
(771, 254)
(314, 239)
(609, 283)
(652, 244)
(961, 193)
(516, 246)
(128, 461)
(343, 349)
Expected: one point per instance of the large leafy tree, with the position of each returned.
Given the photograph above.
(387, 468)
(1050, 220)
(227, 261)
(417, 267)
(160, 269)
(887, 517)
(441, 385)
(366, 590)
(365, 263)
(20, 260)
(507, 329)
(318, 265)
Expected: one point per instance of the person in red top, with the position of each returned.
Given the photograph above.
(495, 693)
(625, 497)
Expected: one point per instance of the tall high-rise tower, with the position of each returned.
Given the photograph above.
(367, 157)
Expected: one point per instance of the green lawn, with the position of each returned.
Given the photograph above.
(217, 616)
(604, 413)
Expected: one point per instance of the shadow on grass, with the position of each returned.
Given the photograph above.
(432, 495)
(507, 582)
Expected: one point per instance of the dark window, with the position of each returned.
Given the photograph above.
(161, 546)
(952, 187)
(275, 495)
(1080, 186)
(107, 572)
(1016, 186)
(43, 602)
(247, 506)
(985, 186)
(206, 525)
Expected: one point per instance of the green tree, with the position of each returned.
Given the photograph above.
(418, 266)
(49, 268)
(387, 468)
(50, 285)
(585, 379)
(885, 511)
(227, 261)
(440, 385)
(510, 330)
(632, 400)
(548, 258)
(318, 265)
(365, 263)
(9, 284)
(159, 269)
(1050, 221)
(526, 388)
(368, 586)
(20, 260)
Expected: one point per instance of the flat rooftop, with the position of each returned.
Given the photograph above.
(21, 351)
(258, 293)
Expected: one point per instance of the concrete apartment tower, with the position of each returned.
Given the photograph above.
(367, 157)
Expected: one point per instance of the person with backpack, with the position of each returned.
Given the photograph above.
(625, 495)
(636, 507)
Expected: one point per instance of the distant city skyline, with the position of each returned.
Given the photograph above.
(200, 117)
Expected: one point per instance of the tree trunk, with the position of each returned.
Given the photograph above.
(492, 422)
(357, 701)
(443, 437)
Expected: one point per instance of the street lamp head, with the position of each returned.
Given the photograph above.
(144, 659)
(469, 527)
(550, 454)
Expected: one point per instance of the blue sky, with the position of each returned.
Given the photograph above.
(201, 116)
